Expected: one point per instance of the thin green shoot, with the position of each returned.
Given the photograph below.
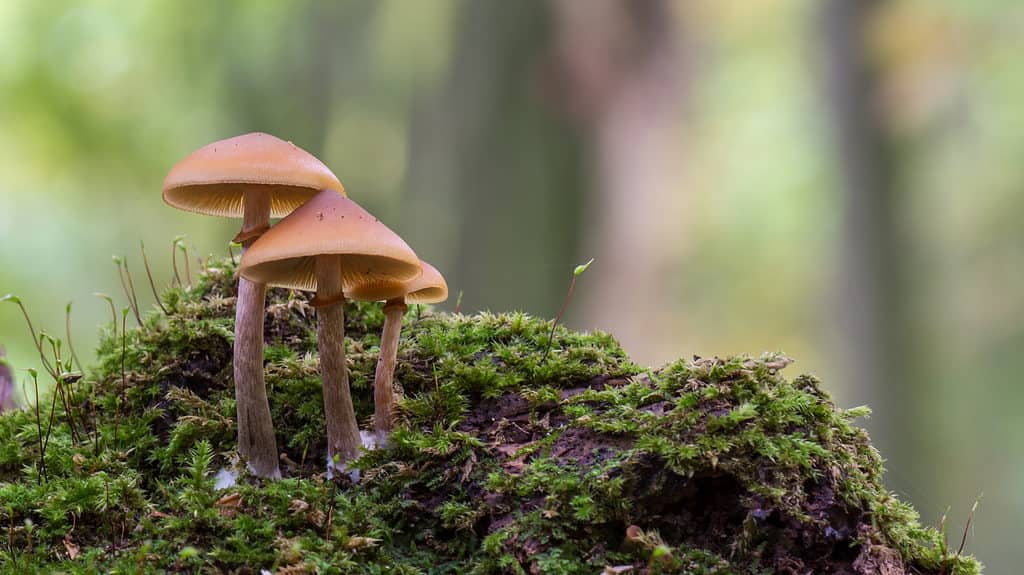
(67, 334)
(149, 274)
(576, 272)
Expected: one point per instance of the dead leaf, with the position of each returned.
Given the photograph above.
(297, 506)
(72, 549)
(357, 542)
(229, 504)
(230, 500)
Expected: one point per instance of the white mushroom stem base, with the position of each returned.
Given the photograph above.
(256, 442)
(343, 440)
(383, 381)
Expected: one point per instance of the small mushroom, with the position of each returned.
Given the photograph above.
(429, 287)
(253, 176)
(328, 245)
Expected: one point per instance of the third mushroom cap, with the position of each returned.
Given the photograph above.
(429, 287)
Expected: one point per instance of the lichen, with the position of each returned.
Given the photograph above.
(505, 459)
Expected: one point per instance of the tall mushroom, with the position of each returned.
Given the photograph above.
(254, 177)
(430, 287)
(327, 245)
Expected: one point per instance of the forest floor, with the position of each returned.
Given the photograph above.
(503, 461)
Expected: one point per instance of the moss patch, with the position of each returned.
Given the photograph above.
(501, 462)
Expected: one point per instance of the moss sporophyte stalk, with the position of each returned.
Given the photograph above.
(501, 460)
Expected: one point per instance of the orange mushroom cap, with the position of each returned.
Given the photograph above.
(213, 179)
(329, 224)
(429, 287)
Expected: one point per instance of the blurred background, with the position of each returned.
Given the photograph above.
(840, 180)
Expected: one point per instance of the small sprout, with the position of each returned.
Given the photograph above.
(11, 298)
(576, 272)
(113, 310)
(582, 268)
(231, 251)
(67, 334)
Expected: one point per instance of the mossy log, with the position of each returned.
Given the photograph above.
(499, 463)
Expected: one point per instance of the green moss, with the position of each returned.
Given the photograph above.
(504, 460)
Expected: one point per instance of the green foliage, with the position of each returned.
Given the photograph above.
(503, 461)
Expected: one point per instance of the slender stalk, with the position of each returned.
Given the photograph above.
(124, 287)
(39, 425)
(10, 536)
(59, 381)
(343, 440)
(113, 311)
(67, 334)
(383, 381)
(568, 296)
(231, 254)
(31, 328)
(967, 527)
(95, 420)
(458, 303)
(174, 260)
(134, 297)
(257, 443)
(49, 424)
(330, 512)
(119, 398)
(149, 274)
(188, 267)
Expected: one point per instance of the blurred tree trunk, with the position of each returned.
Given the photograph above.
(494, 173)
(876, 366)
(618, 73)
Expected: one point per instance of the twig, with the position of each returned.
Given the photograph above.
(149, 274)
(568, 296)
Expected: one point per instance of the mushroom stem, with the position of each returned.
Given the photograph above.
(256, 442)
(383, 388)
(343, 440)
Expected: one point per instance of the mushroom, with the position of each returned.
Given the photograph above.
(430, 287)
(253, 176)
(328, 245)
